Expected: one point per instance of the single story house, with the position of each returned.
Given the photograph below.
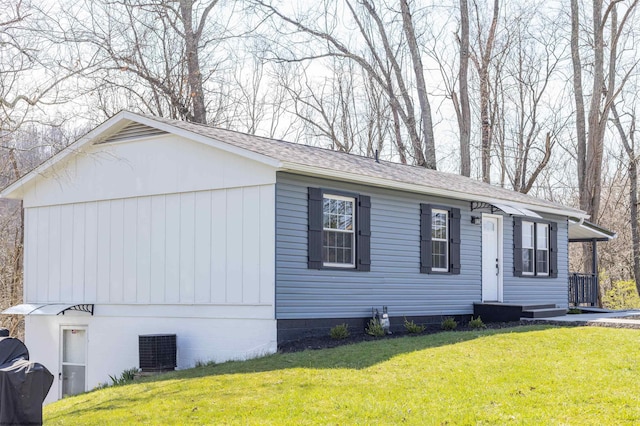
(233, 243)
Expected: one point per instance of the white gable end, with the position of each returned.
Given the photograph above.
(142, 167)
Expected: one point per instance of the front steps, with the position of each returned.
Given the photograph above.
(546, 312)
(507, 312)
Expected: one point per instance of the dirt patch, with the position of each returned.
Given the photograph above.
(324, 342)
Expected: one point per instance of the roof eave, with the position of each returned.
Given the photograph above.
(599, 233)
(109, 126)
(116, 123)
(409, 187)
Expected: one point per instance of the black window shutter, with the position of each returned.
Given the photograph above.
(315, 228)
(517, 246)
(454, 241)
(363, 224)
(425, 238)
(553, 250)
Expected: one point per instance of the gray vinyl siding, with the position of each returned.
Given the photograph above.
(530, 290)
(394, 280)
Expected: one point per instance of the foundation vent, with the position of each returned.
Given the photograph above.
(157, 352)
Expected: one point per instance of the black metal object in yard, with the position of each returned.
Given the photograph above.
(23, 385)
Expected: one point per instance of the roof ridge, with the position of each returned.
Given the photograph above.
(353, 163)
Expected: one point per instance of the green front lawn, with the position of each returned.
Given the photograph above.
(525, 375)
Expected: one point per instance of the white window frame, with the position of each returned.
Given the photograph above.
(545, 227)
(445, 240)
(352, 231)
(537, 228)
(532, 248)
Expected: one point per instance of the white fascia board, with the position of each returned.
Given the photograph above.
(410, 187)
(110, 126)
(595, 230)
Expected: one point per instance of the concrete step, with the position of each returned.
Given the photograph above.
(544, 313)
(534, 307)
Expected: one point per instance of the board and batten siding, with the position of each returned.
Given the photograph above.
(394, 280)
(205, 247)
(538, 291)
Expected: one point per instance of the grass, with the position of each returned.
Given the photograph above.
(524, 375)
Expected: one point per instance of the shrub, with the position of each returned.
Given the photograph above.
(374, 328)
(449, 323)
(412, 327)
(476, 323)
(339, 332)
(126, 377)
(574, 311)
(621, 295)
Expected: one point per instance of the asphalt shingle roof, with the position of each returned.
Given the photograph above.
(312, 156)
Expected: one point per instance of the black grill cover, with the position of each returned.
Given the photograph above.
(12, 349)
(23, 385)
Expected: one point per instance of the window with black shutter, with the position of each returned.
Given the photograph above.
(535, 248)
(439, 239)
(339, 230)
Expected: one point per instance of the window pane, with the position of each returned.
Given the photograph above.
(326, 206)
(542, 237)
(439, 225)
(348, 223)
(338, 235)
(439, 254)
(527, 260)
(542, 260)
(348, 241)
(331, 256)
(527, 235)
(348, 255)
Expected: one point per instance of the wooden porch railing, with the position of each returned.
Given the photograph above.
(583, 289)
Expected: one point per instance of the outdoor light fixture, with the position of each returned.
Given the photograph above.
(476, 220)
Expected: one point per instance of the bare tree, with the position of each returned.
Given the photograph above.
(33, 73)
(152, 53)
(628, 142)
(461, 105)
(590, 132)
(481, 56)
(526, 119)
(380, 53)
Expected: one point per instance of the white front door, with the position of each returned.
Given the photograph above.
(73, 365)
(491, 258)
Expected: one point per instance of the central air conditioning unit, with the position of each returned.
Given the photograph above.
(157, 352)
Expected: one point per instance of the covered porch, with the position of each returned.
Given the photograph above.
(584, 287)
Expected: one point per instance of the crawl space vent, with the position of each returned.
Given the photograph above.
(157, 352)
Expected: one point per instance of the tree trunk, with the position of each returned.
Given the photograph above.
(194, 74)
(482, 64)
(581, 127)
(425, 107)
(464, 118)
(629, 146)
